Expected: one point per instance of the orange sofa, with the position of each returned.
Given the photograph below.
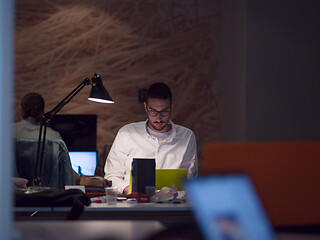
(285, 174)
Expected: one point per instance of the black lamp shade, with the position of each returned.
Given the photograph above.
(98, 92)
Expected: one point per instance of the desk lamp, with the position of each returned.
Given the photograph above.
(98, 94)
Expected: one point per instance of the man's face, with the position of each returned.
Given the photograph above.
(159, 111)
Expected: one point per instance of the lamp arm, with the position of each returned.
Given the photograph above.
(67, 99)
(40, 152)
(44, 122)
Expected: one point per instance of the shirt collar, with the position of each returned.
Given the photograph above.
(31, 120)
(169, 138)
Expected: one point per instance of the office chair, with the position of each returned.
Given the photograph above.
(57, 171)
(286, 175)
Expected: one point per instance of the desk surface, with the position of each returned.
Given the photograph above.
(93, 230)
(86, 230)
(150, 218)
(168, 212)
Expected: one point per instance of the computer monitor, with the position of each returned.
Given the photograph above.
(78, 131)
(84, 162)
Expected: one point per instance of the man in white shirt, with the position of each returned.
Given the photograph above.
(171, 145)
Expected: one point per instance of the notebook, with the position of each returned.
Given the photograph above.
(84, 162)
(168, 178)
(228, 207)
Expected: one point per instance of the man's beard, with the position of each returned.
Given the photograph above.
(159, 128)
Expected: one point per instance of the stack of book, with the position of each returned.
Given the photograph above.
(95, 186)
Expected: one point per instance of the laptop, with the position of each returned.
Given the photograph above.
(84, 162)
(168, 178)
(228, 207)
(171, 177)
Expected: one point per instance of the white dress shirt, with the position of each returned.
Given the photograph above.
(177, 150)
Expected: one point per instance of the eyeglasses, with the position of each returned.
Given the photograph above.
(154, 113)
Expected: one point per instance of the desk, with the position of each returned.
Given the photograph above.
(107, 230)
(164, 212)
(103, 221)
(86, 230)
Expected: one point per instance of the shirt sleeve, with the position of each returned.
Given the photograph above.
(115, 163)
(191, 157)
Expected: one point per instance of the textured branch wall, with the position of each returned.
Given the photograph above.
(131, 44)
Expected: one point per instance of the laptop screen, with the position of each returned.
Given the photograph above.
(168, 178)
(171, 177)
(227, 207)
(84, 162)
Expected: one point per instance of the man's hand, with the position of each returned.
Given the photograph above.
(126, 190)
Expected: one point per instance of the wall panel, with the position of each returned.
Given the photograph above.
(131, 44)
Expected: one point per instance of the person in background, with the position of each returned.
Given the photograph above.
(30, 111)
(172, 146)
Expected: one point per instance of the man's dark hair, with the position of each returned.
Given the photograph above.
(159, 90)
(32, 105)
